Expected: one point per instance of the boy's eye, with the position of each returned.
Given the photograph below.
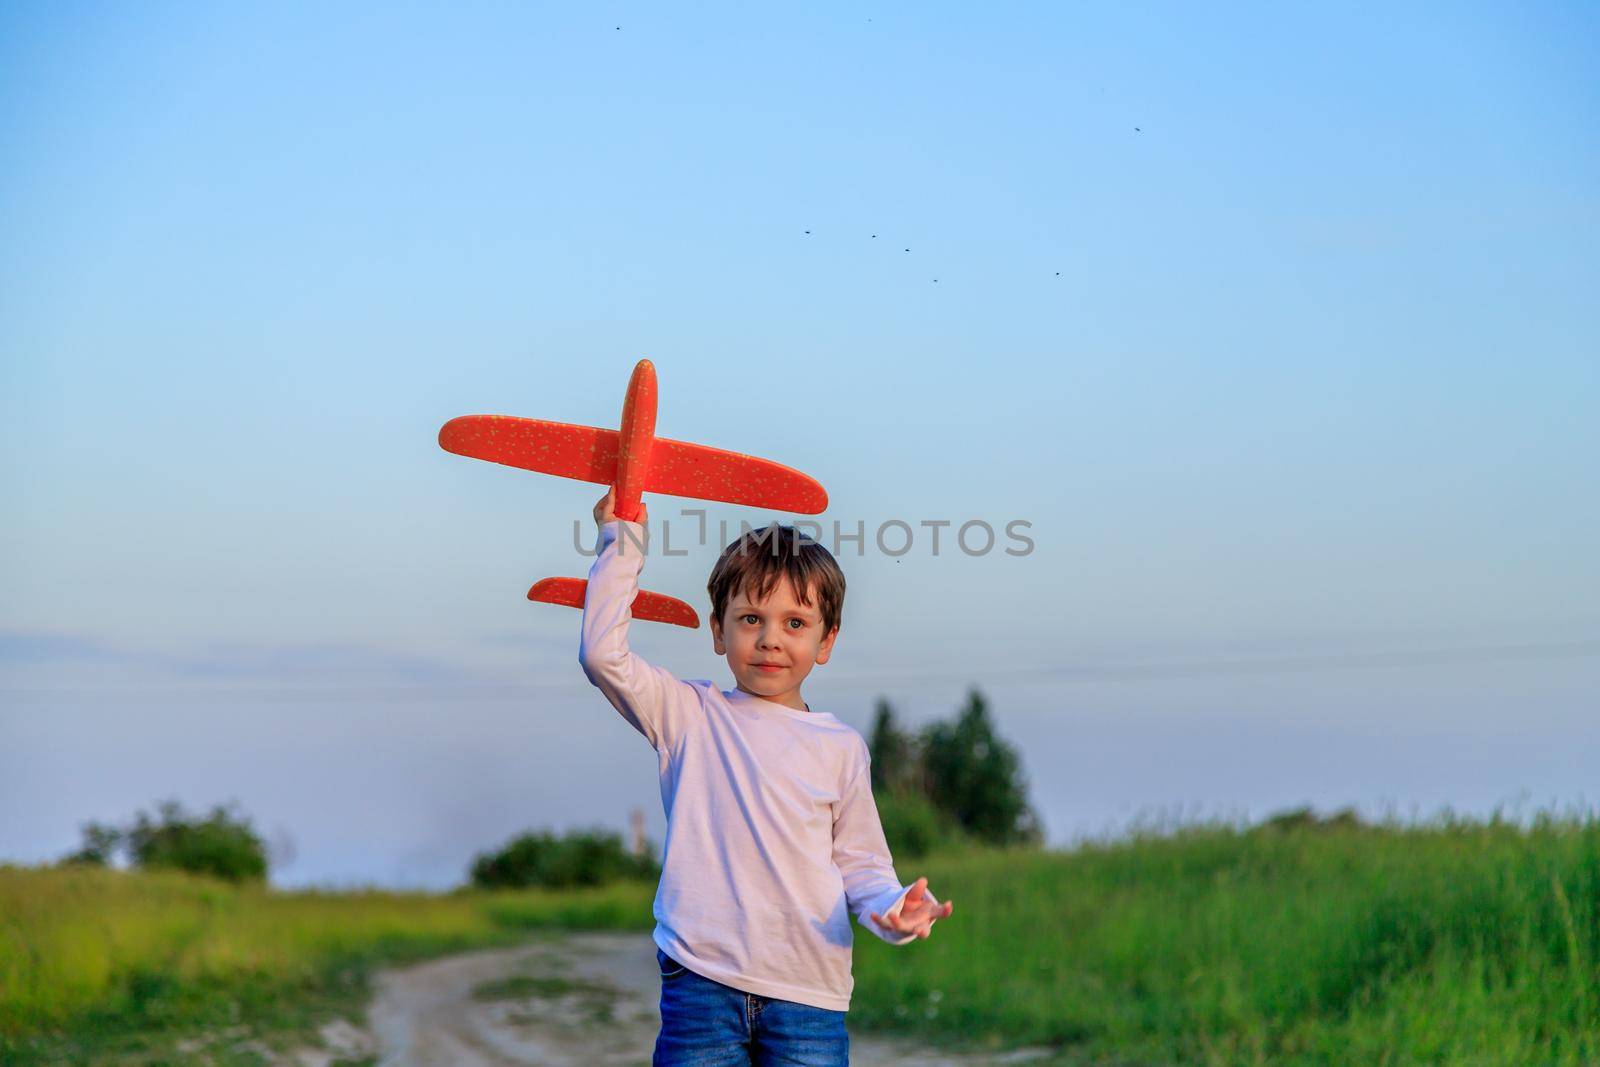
(795, 624)
(750, 618)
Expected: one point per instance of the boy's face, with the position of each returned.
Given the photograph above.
(772, 644)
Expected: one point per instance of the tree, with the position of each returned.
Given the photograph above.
(896, 763)
(912, 825)
(99, 845)
(222, 844)
(977, 777)
(581, 858)
(954, 779)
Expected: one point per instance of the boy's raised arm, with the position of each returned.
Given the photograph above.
(872, 889)
(652, 700)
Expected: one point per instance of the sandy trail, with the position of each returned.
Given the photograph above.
(575, 999)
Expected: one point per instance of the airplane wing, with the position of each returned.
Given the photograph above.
(586, 453)
(647, 606)
(677, 468)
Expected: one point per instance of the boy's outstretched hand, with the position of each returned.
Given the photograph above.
(916, 913)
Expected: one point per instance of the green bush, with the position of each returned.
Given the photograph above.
(1296, 820)
(100, 844)
(222, 844)
(581, 858)
(914, 827)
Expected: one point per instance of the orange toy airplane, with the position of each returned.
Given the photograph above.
(632, 460)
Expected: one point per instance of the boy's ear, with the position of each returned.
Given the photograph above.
(825, 649)
(716, 636)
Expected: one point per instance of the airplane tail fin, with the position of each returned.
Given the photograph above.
(647, 606)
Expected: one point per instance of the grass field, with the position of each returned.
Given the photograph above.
(106, 966)
(1457, 943)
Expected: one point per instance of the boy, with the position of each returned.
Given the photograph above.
(773, 838)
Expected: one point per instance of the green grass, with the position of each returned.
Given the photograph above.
(107, 966)
(1456, 943)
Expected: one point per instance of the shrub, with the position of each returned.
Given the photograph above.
(100, 843)
(222, 844)
(581, 858)
(914, 827)
(1305, 819)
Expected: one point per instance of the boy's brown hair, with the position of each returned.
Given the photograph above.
(760, 559)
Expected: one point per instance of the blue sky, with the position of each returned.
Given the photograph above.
(1277, 326)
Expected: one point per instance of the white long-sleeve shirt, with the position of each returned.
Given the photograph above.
(773, 838)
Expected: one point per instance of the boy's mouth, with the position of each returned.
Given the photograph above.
(772, 667)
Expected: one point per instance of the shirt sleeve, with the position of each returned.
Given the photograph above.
(862, 855)
(655, 703)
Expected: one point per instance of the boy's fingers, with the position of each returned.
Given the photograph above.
(897, 922)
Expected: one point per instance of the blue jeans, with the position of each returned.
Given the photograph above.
(708, 1024)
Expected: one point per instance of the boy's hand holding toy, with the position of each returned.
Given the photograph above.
(605, 512)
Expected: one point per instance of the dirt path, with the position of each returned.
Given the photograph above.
(573, 999)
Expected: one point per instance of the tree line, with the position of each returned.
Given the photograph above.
(948, 784)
